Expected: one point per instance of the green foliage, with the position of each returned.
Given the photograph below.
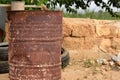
(89, 63)
(36, 2)
(92, 15)
(29, 2)
(5, 1)
(84, 4)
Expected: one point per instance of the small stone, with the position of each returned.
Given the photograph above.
(107, 68)
(119, 67)
(118, 56)
(114, 57)
(118, 63)
(70, 63)
(111, 63)
(105, 62)
(102, 61)
(98, 61)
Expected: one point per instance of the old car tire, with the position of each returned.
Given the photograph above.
(4, 44)
(4, 67)
(64, 57)
(3, 53)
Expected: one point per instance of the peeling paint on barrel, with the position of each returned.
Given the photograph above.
(35, 45)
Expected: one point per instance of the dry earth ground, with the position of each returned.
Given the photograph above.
(76, 70)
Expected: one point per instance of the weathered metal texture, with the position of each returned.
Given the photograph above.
(35, 45)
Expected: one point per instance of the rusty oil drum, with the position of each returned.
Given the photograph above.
(35, 45)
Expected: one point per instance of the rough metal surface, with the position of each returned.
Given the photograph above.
(35, 45)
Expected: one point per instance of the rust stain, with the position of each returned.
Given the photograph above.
(35, 45)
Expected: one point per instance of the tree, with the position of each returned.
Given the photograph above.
(84, 4)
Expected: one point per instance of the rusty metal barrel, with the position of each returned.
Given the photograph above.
(35, 45)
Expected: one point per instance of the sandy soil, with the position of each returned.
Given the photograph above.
(4, 77)
(77, 70)
(81, 69)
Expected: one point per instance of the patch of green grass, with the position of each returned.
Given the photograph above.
(92, 15)
(92, 64)
(89, 63)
